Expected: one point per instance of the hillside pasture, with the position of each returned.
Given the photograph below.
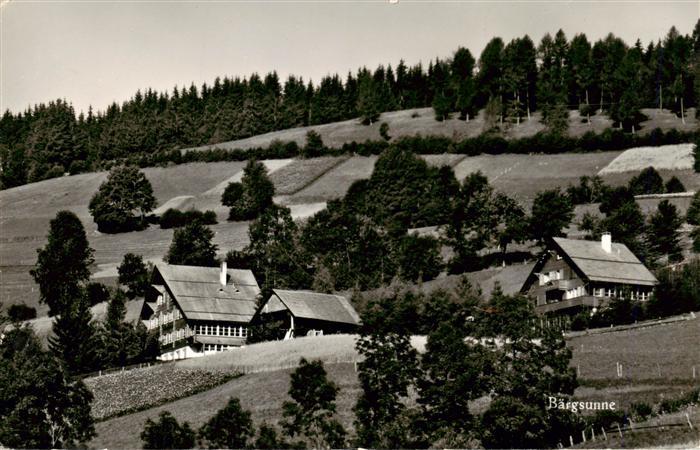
(523, 176)
(659, 352)
(263, 393)
(411, 122)
(670, 157)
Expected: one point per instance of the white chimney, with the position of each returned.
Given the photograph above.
(606, 242)
(222, 275)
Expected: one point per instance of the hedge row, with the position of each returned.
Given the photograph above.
(548, 143)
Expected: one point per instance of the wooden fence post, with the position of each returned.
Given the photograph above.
(583, 434)
(693, 372)
(687, 417)
(619, 430)
(605, 436)
(593, 434)
(571, 441)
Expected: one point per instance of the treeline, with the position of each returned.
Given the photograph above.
(509, 81)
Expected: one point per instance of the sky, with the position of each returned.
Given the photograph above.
(97, 52)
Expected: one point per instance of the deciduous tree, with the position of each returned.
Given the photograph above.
(122, 202)
(310, 413)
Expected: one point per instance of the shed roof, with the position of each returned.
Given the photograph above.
(200, 296)
(314, 305)
(618, 266)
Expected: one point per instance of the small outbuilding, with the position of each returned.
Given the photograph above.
(304, 313)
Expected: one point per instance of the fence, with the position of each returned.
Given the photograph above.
(258, 368)
(99, 373)
(589, 434)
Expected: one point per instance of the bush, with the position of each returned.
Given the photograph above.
(314, 145)
(231, 427)
(641, 411)
(674, 185)
(21, 312)
(167, 433)
(173, 218)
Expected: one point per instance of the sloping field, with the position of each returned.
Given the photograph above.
(422, 121)
(658, 352)
(302, 172)
(672, 157)
(335, 184)
(263, 393)
(445, 159)
(525, 175)
(117, 392)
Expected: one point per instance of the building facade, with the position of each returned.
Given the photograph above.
(199, 310)
(304, 313)
(575, 275)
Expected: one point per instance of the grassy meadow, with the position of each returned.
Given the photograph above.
(671, 346)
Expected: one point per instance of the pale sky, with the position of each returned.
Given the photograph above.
(95, 52)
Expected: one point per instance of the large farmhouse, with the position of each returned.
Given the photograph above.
(575, 275)
(199, 310)
(305, 313)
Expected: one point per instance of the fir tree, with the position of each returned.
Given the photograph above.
(62, 265)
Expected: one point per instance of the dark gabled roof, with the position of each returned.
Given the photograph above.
(200, 296)
(618, 266)
(313, 305)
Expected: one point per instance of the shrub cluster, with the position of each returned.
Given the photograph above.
(174, 218)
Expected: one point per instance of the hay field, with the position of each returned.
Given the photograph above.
(335, 184)
(523, 176)
(671, 157)
(302, 172)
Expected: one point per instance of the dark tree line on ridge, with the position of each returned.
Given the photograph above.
(509, 80)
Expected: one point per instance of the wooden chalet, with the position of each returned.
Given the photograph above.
(199, 310)
(575, 275)
(304, 313)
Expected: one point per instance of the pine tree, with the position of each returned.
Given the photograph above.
(62, 265)
(73, 339)
(663, 227)
(133, 274)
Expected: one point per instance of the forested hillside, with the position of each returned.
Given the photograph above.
(508, 82)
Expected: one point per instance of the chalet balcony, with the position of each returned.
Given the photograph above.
(584, 300)
(566, 285)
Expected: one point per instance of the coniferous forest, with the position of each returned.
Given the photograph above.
(508, 80)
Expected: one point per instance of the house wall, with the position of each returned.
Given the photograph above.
(553, 274)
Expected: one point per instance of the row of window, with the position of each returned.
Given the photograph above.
(550, 276)
(616, 292)
(216, 347)
(164, 319)
(173, 336)
(220, 330)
